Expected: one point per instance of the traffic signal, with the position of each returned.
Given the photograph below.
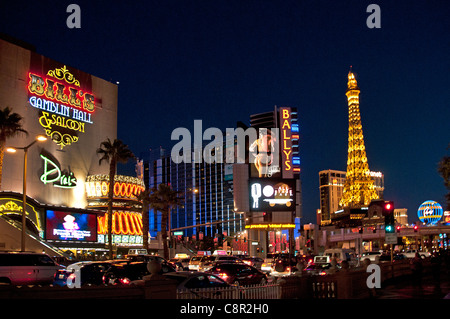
(389, 220)
(416, 228)
(389, 228)
(398, 229)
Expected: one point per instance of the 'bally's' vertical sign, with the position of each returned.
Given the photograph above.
(286, 142)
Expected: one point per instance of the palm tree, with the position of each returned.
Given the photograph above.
(163, 199)
(10, 126)
(113, 153)
(144, 198)
(444, 171)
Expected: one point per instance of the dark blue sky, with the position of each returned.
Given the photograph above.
(221, 61)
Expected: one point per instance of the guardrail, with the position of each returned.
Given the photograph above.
(262, 291)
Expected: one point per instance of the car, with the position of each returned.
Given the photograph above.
(318, 269)
(125, 273)
(412, 253)
(341, 254)
(242, 274)
(371, 255)
(195, 280)
(196, 262)
(138, 257)
(395, 257)
(216, 260)
(23, 268)
(253, 261)
(89, 272)
(284, 265)
(180, 263)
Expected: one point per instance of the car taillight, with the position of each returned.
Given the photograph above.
(71, 278)
(125, 281)
(322, 273)
(223, 275)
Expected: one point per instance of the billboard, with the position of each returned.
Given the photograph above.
(71, 226)
(268, 194)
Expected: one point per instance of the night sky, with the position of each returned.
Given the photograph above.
(221, 61)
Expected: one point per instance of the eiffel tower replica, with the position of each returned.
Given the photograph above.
(359, 187)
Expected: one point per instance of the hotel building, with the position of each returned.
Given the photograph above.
(75, 111)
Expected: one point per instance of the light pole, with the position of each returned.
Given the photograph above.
(39, 138)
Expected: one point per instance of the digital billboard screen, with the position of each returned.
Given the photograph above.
(71, 226)
(267, 194)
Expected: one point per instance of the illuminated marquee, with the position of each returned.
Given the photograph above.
(64, 107)
(123, 223)
(271, 195)
(97, 186)
(270, 226)
(290, 160)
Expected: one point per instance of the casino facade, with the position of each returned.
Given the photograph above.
(65, 185)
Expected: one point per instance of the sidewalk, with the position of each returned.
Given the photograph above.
(404, 289)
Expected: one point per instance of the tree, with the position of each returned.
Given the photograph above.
(113, 153)
(144, 198)
(163, 199)
(10, 126)
(444, 170)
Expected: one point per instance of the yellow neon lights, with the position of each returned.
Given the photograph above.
(123, 223)
(269, 226)
(124, 186)
(286, 145)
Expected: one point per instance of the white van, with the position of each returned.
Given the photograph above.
(17, 268)
(341, 254)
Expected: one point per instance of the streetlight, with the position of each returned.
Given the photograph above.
(39, 138)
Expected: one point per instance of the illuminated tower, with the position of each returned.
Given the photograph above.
(359, 187)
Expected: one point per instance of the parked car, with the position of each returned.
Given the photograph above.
(17, 268)
(239, 273)
(125, 273)
(253, 261)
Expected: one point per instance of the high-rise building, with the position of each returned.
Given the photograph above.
(359, 187)
(331, 186)
(206, 190)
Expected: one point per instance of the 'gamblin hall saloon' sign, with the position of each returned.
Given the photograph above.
(64, 100)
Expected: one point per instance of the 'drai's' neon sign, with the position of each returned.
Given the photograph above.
(64, 107)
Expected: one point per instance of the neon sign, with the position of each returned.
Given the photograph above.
(289, 131)
(430, 212)
(123, 223)
(64, 109)
(53, 174)
(124, 186)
